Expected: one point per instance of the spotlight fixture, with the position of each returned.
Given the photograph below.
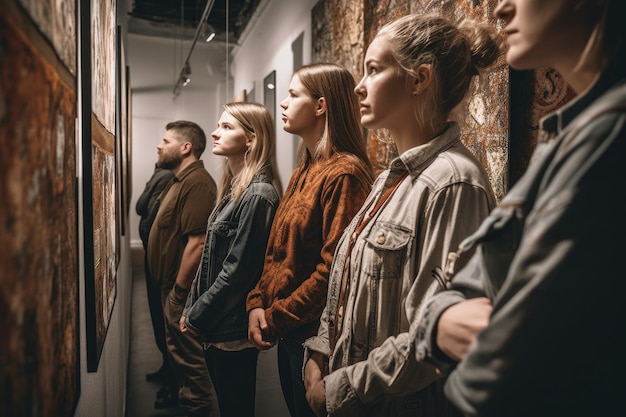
(208, 35)
(207, 32)
(186, 73)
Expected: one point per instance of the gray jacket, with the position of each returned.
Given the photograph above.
(372, 368)
(232, 262)
(549, 257)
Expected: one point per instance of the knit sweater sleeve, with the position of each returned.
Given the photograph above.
(341, 196)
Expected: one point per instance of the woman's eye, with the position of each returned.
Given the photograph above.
(371, 70)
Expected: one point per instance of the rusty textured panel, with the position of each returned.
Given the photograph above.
(56, 20)
(100, 192)
(501, 130)
(484, 117)
(39, 352)
(103, 61)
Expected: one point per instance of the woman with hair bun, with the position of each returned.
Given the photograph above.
(417, 70)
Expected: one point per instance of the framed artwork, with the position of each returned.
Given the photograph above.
(39, 274)
(121, 126)
(100, 190)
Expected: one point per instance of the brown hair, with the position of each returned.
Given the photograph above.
(342, 131)
(606, 43)
(187, 131)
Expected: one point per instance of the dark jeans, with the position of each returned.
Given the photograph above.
(290, 359)
(234, 378)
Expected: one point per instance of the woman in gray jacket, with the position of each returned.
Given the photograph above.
(533, 321)
(416, 71)
(233, 254)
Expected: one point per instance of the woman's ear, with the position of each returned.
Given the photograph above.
(321, 106)
(423, 79)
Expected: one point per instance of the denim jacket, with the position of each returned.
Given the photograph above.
(549, 258)
(371, 368)
(231, 263)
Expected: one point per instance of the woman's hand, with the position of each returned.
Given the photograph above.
(257, 326)
(459, 325)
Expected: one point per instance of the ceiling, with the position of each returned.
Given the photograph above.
(180, 18)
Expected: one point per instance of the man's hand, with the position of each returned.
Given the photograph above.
(256, 327)
(458, 326)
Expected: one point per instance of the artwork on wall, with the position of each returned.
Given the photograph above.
(486, 119)
(39, 315)
(100, 199)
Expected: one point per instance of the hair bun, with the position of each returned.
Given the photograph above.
(484, 43)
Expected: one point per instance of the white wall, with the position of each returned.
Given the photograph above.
(155, 64)
(266, 46)
(154, 68)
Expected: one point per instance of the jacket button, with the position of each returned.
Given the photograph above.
(380, 239)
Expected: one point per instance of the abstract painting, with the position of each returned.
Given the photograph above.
(39, 317)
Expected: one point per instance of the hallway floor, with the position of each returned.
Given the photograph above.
(145, 358)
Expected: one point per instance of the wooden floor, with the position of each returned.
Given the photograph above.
(145, 358)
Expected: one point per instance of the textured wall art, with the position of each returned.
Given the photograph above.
(101, 202)
(56, 19)
(39, 351)
(486, 120)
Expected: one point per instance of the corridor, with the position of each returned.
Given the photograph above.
(145, 358)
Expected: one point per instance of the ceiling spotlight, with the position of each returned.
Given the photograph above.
(207, 32)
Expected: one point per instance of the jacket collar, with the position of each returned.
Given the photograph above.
(554, 123)
(416, 159)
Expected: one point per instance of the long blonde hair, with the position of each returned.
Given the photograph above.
(258, 123)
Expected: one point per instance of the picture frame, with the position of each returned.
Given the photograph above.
(101, 233)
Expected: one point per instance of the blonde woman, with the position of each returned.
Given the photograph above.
(232, 258)
(416, 72)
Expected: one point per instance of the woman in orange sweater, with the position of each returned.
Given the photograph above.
(327, 188)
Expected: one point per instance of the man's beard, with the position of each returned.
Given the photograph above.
(170, 162)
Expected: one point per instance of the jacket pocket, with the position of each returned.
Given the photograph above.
(386, 251)
(223, 232)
